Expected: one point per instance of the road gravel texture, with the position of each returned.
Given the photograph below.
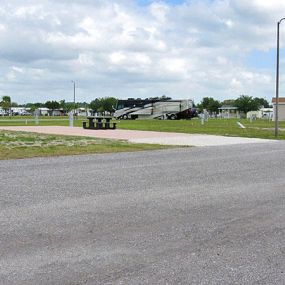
(204, 215)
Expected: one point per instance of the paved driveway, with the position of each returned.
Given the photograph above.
(141, 136)
(211, 215)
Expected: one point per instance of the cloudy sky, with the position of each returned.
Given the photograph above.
(139, 48)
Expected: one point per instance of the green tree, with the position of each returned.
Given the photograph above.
(229, 102)
(68, 106)
(210, 104)
(6, 103)
(95, 105)
(103, 104)
(62, 104)
(52, 105)
(261, 102)
(34, 106)
(109, 104)
(246, 103)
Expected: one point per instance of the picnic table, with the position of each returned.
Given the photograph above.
(99, 123)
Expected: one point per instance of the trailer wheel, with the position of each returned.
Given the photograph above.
(172, 117)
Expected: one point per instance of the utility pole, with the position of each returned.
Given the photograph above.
(73, 96)
(277, 80)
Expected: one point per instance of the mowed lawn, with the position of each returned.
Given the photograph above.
(14, 145)
(22, 145)
(226, 127)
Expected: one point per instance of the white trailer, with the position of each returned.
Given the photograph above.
(158, 109)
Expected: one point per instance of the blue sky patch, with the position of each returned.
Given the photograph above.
(262, 59)
(171, 2)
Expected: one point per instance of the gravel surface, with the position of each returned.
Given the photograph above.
(211, 215)
(164, 138)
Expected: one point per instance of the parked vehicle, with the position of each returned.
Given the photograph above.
(4, 112)
(155, 109)
(20, 111)
(25, 113)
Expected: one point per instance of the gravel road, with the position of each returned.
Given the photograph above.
(205, 215)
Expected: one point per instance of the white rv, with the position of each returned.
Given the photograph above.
(155, 109)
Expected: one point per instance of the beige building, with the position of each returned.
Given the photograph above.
(281, 108)
(229, 112)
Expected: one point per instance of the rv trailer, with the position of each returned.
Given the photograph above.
(155, 109)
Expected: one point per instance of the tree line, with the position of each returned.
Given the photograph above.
(104, 104)
(244, 104)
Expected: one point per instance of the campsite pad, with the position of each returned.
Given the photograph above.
(164, 138)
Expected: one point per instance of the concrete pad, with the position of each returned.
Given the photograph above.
(200, 140)
(164, 138)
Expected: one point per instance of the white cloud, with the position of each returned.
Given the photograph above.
(86, 59)
(118, 48)
(2, 28)
(174, 65)
(117, 57)
(27, 11)
(159, 11)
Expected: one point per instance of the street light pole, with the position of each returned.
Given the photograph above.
(73, 96)
(277, 80)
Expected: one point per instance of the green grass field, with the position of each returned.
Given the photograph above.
(226, 127)
(23, 145)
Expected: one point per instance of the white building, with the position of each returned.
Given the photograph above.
(263, 113)
(43, 111)
(281, 108)
(229, 112)
(83, 112)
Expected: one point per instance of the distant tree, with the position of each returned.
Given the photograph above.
(52, 105)
(6, 103)
(68, 106)
(229, 102)
(109, 104)
(103, 104)
(95, 105)
(246, 103)
(6, 99)
(261, 102)
(62, 104)
(34, 106)
(83, 105)
(209, 104)
(164, 97)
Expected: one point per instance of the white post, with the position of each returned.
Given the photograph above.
(202, 119)
(36, 119)
(71, 119)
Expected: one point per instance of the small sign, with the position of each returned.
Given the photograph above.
(241, 125)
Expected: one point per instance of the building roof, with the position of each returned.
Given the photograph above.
(228, 108)
(280, 100)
